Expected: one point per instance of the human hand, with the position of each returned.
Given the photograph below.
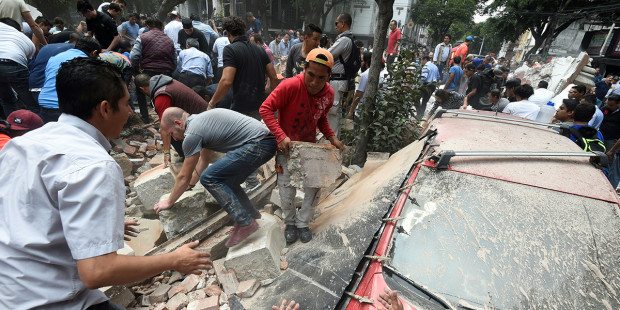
(291, 306)
(129, 230)
(190, 261)
(166, 160)
(335, 142)
(162, 205)
(285, 145)
(390, 300)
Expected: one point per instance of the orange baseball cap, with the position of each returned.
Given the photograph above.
(321, 56)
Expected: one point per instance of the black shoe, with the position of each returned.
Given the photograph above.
(290, 233)
(305, 235)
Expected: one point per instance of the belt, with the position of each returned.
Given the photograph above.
(6, 60)
(338, 77)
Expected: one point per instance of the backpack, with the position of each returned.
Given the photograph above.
(586, 137)
(354, 63)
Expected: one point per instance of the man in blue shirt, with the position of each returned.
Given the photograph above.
(285, 45)
(455, 74)
(430, 76)
(37, 66)
(194, 66)
(255, 25)
(130, 28)
(48, 99)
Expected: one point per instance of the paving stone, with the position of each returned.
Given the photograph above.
(160, 307)
(201, 284)
(246, 289)
(151, 235)
(213, 290)
(151, 153)
(191, 282)
(134, 211)
(157, 160)
(192, 207)
(258, 256)
(228, 280)
(130, 150)
(176, 276)
(197, 295)
(125, 163)
(119, 294)
(224, 299)
(314, 165)
(160, 294)
(210, 303)
(151, 185)
(176, 290)
(178, 302)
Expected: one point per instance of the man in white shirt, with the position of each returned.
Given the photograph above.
(442, 55)
(360, 91)
(64, 218)
(173, 27)
(523, 107)
(218, 51)
(542, 95)
(274, 46)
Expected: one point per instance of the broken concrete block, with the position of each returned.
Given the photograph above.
(137, 162)
(216, 244)
(151, 185)
(178, 302)
(189, 209)
(213, 290)
(224, 299)
(228, 280)
(130, 150)
(314, 165)
(201, 284)
(191, 282)
(157, 160)
(211, 303)
(124, 162)
(151, 234)
(119, 294)
(197, 295)
(160, 307)
(176, 276)
(176, 290)
(246, 289)
(283, 265)
(258, 256)
(160, 294)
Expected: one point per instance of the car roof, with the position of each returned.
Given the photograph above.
(573, 175)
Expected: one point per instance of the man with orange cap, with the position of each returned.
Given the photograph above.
(302, 103)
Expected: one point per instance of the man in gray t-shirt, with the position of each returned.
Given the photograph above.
(248, 144)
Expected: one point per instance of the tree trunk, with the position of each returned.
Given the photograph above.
(383, 22)
(165, 8)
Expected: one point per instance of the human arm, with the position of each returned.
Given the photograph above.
(112, 44)
(450, 79)
(464, 103)
(273, 77)
(36, 30)
(180, 185)
(356, 99)
(228, 76)
(136, 54)
(113, 269)
(335, 142)
(435, 55)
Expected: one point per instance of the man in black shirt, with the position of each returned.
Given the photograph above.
(297, 54)
(188, 32)
(100, 24)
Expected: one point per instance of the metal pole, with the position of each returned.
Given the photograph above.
(514, 120)
(607, 38)
(518, 153)
(481, 45)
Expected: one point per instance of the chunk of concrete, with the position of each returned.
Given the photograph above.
(157, 160)
(193, 206)
(213, 290)
(123, 161)
(258, 256)
(314, 165)
(210, 303)
(119, 294)
(191, 282)
(177, 289)
(151, 185)
(247, 288)
(178, 302)
(151, 234)
(160, 294)
(216, 244)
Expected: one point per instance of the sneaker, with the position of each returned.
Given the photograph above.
(290, 233)
(240, 233)
(305, 235)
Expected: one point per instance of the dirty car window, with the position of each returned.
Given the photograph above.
(483, 242)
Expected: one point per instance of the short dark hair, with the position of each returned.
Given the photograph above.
(194, 16)
(187, 23)
(570, 104)
(346, 19)
(11, 22)
(481, 67)
(58, 21)
(470, 66)
(114, 7)
(124, 44)
(122, 1)
(447, 35)
(43, 20)
(142, 79)
(615, 98)
(154, 23)
(457, 60)
(579, 88)
(583, 111)
(524, 91)
(83, 83)
(249, 14)
(443, 94)
(87, 45)
(311, 29)
(394, 22)
(234, 25)
(495, 93)
(367, 57)
(427, 58)
(504, 69)
(83, 6)
(134, 14)
(513, 83)
(591, 98)
(543, 84)
(258, 38)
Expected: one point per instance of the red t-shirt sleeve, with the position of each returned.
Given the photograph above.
(162, 102)
(268, 109)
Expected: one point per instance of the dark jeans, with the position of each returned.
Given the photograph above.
(14, 76)
(142, 104)
(224, 177)
(427, 91)
(49, 115)
(190, 79)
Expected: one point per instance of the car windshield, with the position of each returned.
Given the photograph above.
(478, 242)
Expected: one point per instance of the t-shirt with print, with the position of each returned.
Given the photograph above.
(295, 61)
(221, 130)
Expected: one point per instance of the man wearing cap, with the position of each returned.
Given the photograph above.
(462, 49)
(173, 27)
(302, 103)
(188, 32)
(18, 123)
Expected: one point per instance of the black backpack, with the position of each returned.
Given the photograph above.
(586, 137)
(354, 63)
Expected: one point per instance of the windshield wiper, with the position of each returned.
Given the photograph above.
(419, 287)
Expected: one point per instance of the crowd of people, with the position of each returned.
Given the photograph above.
(65, 91)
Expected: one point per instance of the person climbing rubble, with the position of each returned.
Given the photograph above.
(302, 103)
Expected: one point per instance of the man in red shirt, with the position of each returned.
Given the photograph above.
(462, 49)
(302, 103)
(393, 41)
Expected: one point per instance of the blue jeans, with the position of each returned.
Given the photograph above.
(224, 177)
(442, 73)
(14, 76)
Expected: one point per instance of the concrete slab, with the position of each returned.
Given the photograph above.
(192, 207)
(258, 256)
(151, 185)
(120, 295)
(314, 165)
